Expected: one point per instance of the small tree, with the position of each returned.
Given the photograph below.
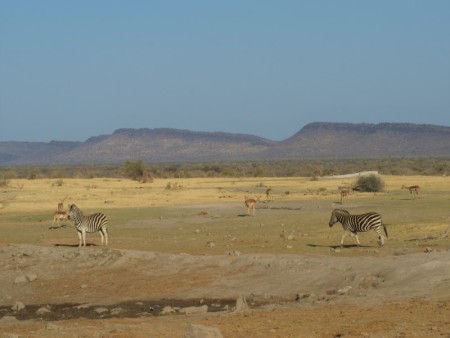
(371, 183)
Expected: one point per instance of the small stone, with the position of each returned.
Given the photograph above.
(194, 309)
(167, 310)
(202, 331)
(20, 279)
(31, 276)
(43, 311)
(101, 310)
(18, 306)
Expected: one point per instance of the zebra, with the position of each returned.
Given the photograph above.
(353, 224)
(92, 223)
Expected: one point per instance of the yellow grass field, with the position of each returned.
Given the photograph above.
(207, 215)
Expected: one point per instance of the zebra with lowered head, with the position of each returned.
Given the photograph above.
(92, 223)
(353, 224)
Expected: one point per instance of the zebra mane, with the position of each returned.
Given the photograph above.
(76, 210)
(341, 211)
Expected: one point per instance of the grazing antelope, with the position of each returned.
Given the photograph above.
(269, 194)
(57, 215)
(250, 203)
(414, 189)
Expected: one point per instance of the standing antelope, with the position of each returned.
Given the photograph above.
(344, 194)
(414, 189)
(57, 215)
(269, 194)
(250, 203)
(61, 205)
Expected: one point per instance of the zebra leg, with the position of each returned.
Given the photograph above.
(101, 235)
(343, 236)
(357, 240)
(380, 237)
(105, 232)
(84, 237)
(79, 239)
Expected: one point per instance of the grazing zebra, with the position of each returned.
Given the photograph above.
(353, 224)
(92, 223)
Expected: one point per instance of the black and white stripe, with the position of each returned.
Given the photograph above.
(353, 224)
(88, 224)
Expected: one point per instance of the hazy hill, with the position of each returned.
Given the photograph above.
(315, 140)
(336, 140)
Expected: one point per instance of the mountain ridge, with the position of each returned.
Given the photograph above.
(317, 140)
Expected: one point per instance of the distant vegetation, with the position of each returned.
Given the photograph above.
(371, 183)
(315, 169)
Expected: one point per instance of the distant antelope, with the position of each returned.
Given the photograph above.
(61, 205)
(250, 203)
(269, 194)
(414, 189)
(344, 194)
(57, 215)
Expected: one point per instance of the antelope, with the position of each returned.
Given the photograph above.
(57, 215)
(61, 205)
(344, 194)
(269, 194)
(414, 189)
(250, 203)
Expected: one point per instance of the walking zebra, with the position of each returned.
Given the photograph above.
(92, 223)
(353, 224)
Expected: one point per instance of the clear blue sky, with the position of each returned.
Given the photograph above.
(70, 70)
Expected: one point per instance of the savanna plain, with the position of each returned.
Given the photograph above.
(185, 251)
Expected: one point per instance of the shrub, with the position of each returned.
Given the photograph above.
(371, 183)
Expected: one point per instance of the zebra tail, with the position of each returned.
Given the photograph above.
(385, 230)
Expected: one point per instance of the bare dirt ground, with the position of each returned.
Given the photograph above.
(98, 292)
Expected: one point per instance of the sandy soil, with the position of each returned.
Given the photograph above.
(98, 292)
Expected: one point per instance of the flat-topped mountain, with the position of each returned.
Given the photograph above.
(318, 140)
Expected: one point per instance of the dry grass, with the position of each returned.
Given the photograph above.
(208, 216)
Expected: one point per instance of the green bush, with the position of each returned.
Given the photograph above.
(371, 183)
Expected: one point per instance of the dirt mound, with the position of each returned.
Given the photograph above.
(108, 276)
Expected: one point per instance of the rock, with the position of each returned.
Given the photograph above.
(20, 279)
(241, 304)
(194, 309)
(101, 310)
(18, 306)
(202, 331)
(31, 276)
(344, 290)
(43, 311)
(8, 320)
(330, 292)
(167, 310)
(117, 311)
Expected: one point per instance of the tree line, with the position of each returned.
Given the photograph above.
(146, 172)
